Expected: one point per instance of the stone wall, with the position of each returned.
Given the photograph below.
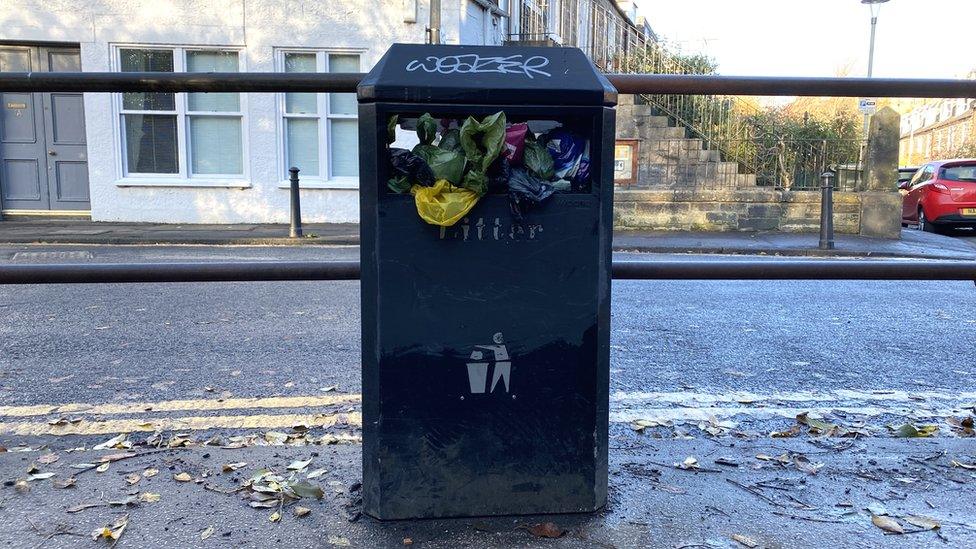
(732, 210)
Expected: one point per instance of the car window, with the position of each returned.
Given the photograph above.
(923, 175)
(960, 173)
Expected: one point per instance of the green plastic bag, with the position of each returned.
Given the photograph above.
(483, 141)
(391, 125)
(451, 140)
(426, 129)
(538, 160)
(475, 181)
(448, 165)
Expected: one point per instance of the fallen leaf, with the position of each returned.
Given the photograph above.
(47, 459)
(128, 500)
(113, 532)
(83, 466)
(64, 483)
(111, 443)
(182, 477)
(148, 497)
(817, 426)
(306, 490)
(805, 465)
(40, 476)
(408, 541)
(207, 532)
(151, 472)
(546, 530)
(911, 431)
(21, 486)
(116, 457)
(926, 523)
(339, 541)
(83, 506)
(744, 540)
(970, 466)
(132, 478)
(887, 524)
(791, 432)
(267, 504)
(275, 517)
(328, 389)
(103, 467)
(727, 461)
(299, 465)
(317, 473)
(300, 511)
(231, 467)
(275, 437)
(689, 463)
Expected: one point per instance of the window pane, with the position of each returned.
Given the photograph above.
(303, 145)
(300, 102)
(133, 60)
(215, 145)
(343, 103)
(213, 61)
(150, 143)
(344, 143)
(14, 60)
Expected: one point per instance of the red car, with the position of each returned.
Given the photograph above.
(941, 195)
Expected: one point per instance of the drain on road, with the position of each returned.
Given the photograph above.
(74, 255)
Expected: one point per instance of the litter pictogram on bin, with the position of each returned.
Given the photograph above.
(478, 367)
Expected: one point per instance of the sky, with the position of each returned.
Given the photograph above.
(915, 38)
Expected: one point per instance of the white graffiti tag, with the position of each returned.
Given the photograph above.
(475, 64)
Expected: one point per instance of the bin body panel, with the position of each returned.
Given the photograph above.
(485, 344)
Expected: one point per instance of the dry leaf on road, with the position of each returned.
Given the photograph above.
(151, 472)
(148, 497)
(132, 478)
(300, 511)
(926, 523)
(182, 477)
(746, 541)
(103, 467)
(207, 532)
(887, 524)
(47, 459)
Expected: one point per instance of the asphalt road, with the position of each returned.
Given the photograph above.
(685, 343)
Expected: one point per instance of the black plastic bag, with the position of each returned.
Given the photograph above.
(407, 170)
(525, 189)
(498, 175)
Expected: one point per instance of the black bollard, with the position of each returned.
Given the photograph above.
(296, 206)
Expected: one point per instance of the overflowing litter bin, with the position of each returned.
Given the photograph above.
(486, 216)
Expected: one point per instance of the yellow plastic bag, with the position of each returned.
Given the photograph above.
(443, 204)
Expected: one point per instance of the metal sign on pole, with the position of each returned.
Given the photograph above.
(867, 106)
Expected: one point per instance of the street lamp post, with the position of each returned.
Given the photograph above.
(875, 6)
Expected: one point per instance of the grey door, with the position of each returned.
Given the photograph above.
(43, 156)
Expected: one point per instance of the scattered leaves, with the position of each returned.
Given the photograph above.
(231, 467)
(546, 530)
(911, 431)
(923, 522)
(64, 483)
(113, 532)
(887, 524)
(148, 497)
(791, 432)
(182, 477)
(745, 540)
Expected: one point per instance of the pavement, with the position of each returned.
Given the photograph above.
(913, 243)
(196, 376)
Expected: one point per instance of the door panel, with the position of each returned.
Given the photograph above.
(22, 179)
(42, 137)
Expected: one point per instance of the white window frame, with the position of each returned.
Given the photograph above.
(184, 177)
(324, 179)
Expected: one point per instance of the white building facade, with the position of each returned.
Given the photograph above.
(199, 158)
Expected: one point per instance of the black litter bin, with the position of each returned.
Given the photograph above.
(486, 343)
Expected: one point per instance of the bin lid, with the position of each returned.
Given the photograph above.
(494, 75)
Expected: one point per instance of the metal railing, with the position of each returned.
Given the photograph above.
(677, 84)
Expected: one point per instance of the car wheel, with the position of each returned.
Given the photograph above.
(925, 225)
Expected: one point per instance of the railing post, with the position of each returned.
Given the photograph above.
(827, 211)
(295, 231)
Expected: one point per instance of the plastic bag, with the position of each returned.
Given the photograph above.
(515, 143)
(391, 126)
(482, 143)
(426, 129)
(566, 149)
(525, 189)
(451, 140)
(581, 179)
(444, 164)
(498, 174)
(538, 160)
(408, 169)
(443, 204)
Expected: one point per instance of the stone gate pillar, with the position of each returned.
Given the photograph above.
(880, 200)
